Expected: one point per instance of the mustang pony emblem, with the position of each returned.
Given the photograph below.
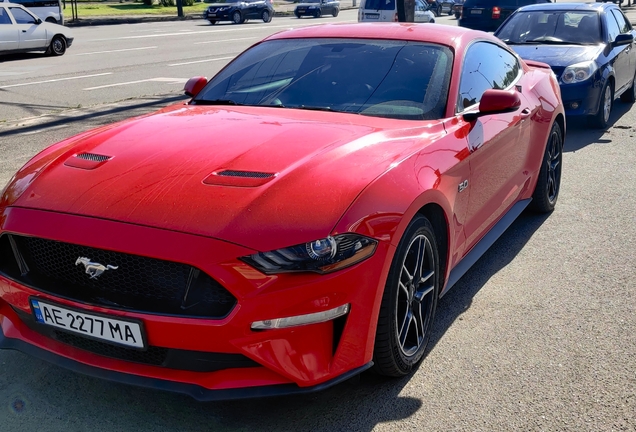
(92, 268)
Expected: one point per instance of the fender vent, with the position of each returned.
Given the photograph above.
(248, 174)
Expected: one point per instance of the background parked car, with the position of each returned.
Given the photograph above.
(386, 11)
(22, 31)
(457, 8)
(317, 8)
(488, 15)
(47, 10)
(239, 12)
(588, 46)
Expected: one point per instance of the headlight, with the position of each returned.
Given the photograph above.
(321, 256)
(579, 72)
(223, 9)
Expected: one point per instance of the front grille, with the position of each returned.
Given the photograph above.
(126, 281)
(152, 356)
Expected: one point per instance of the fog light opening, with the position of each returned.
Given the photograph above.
(574, 105)
(300, 320)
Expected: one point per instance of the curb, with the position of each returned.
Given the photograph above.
(128, 19)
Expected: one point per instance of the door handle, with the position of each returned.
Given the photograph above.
(24, 31)
(525, 113)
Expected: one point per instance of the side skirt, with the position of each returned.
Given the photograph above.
(485, 243)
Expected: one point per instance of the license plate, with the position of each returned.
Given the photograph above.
(211, 14)
(117, 331)
(372, 16)
(301, 10)
(475, 12)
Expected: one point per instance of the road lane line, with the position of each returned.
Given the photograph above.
(119, 50)
(226, 40)
(288, 26)
(55, 80)
(201, 61)
(167, 80)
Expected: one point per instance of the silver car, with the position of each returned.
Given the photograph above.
(22, 31)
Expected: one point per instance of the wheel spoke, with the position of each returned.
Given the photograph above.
(420, 295)
(404, 330)
(404, 288)
(427, 276)
(405, 270)
(421, 247)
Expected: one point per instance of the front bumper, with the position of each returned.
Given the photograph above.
(306, 12)
(585, 95)
(218, 15)
(311, 356)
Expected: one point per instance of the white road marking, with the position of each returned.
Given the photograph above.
(119, 50)
(167, 80)
(56, 80)
(287, 26)
(202, 61)
(62, 126)
(226, 40)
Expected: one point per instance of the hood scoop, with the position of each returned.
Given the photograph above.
(239, 178)
(87, 161)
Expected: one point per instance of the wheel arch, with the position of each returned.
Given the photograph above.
(438, 218)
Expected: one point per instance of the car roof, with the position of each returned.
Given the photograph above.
(451, 36)
(592, 7)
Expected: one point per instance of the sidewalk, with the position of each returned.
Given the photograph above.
(281, 9)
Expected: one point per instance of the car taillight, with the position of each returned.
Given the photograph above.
(496, 12)
(395, 18)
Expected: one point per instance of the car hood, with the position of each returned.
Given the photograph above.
(304, 169)
(308, 5)
(558, 55)
(218, 5)
(56, 29)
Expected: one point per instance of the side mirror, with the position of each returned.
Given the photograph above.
(194, 86)
(496, 102)
(38, 21)
(623, 39)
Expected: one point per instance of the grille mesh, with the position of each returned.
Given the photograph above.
(152, 356)
(93, 157)
(132, 282)
(248, 174)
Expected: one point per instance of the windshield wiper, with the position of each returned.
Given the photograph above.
(553, 42)
(217, 102)
(314, 108)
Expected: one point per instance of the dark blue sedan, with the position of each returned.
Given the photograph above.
(588, 46)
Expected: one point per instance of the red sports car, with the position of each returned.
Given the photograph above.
(292, 225)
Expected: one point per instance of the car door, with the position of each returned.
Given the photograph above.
(619, 56)
(625, 27)
(31, 34)
(9, 37)
(497, 154)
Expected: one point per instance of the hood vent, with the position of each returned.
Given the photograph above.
(87, 161)
(248, 174)
(239, 178)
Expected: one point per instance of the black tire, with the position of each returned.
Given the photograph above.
(51, 20)
(457, 15)
(630, 95)
(265, 16)
(450, 12)
(212, 22)
(335, 13)
(317, 14)
(58, 46)
(398, 344)
(546, 192)
(297, 15)
(605, 105)
(237, 18)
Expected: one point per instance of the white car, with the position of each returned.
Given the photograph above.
(386, 10)
(21, 31)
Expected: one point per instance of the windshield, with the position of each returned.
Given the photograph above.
(392, 79)
(558, 27)
(310, 1)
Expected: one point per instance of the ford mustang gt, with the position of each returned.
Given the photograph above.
(292, 225)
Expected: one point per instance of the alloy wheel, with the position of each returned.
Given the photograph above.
(416, 287)
(553, 161)
(607, 103)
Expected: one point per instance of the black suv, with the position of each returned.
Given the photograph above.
(487, 15)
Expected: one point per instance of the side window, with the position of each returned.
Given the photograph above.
(4, 16)
(612, 27)
(21, 16)
(486, 66)
(623, 24)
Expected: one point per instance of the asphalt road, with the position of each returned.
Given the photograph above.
(539, 335)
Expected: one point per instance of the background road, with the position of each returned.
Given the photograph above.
(539, 335)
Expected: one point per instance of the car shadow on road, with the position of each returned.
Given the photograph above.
(580, 135)
(24, 56)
